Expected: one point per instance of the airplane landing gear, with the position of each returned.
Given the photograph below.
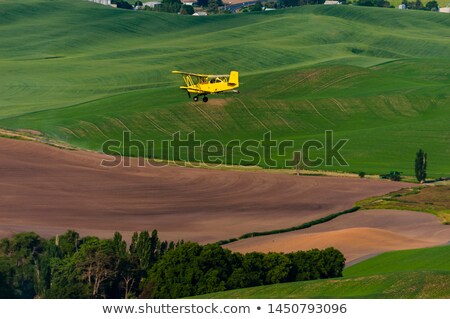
(204, 99)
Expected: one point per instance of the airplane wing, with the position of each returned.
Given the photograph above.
(218, 76)
(206, 91)
(192, 74)
(190, 88)
(202, 75)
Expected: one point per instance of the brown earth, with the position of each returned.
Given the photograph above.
(358, 235)
(49, 190)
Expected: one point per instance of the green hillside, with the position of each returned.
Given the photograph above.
(436, 259)
(84, 73)
(419, 273)
(424, 284)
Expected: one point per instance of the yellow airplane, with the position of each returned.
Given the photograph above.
(204, 84)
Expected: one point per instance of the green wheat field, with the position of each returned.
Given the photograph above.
(83, 73)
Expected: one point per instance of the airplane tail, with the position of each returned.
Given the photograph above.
(234, 78)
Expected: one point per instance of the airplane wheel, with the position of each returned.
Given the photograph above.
(205, 99)
(195, 98)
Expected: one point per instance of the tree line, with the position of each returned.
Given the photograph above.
(192, 269)
(69, 266)
(412, 5)
(217, 6)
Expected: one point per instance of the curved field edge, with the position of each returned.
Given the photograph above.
(289, 229)
(317, 68)
(434, 258)
(433, 199)
(418, 273)
(420, 284)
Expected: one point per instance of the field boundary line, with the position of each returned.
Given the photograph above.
(294, 228)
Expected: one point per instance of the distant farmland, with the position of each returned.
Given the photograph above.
(84, 73)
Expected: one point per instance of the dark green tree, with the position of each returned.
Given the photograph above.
(289, 3)
(216, 265)
(172, 6)
(213, 6)
(7, 273)
(71, 267)
(124, 5)
(97, 265)
(141, 249)
(176, 274)
(332, 263)
(253, 265)
(418, 5)
(238, 279)
(304, 265)
(25, 249)
(66, 281)
(154, 248)
(187, 10)
(68, 243)
(421, 166)
(271, 4)
(256, 7)
(374, 3)
(43, 262)
(277, 268)
(129, 277)
(413, 5)
(202, 3)
(432, 6)
(129, 274)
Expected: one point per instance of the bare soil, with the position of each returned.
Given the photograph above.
(49, 190)
(358, 235)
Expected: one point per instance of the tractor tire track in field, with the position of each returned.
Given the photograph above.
(294, 84)
(157, 126)
(337, 80)
(67, 130)
(208, 117)
(279, 116)
(95, 127)
(317, 111)
(118, 121)
(253, 115)
(339, 105)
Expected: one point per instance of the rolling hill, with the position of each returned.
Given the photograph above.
(419, 273)
(84, 73)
